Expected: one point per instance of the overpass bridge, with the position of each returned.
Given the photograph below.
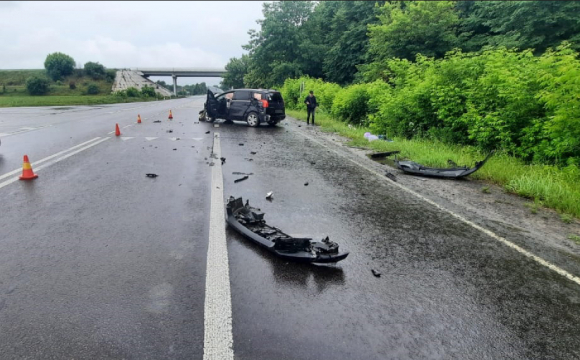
(180, 72)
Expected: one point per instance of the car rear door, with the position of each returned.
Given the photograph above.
(275, 104)
(240, 104)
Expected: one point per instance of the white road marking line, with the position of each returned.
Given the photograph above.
(197, 139)
(4, 134)
(27, 128)
(173, 138)
(218, 339)
(47, 158)
(14, 179)
(150, 138)
(490, 233)
(110, 133)
(126, 138)
(126, 126)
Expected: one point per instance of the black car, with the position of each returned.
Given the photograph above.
(254, 106)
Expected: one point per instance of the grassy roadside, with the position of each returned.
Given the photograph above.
(547, 185)
(55, 100)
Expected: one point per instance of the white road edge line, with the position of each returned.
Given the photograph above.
(218, 339)
(47, 158)
(14, 179)
(490, 233)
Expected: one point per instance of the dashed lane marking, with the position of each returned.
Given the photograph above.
(490, 233)
(150, 138)
(68, 153)
(218, 339)
(126, 138)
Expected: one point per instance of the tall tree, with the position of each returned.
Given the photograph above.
(407, 29)
(236, 70)
(275, 48)
(521, 24)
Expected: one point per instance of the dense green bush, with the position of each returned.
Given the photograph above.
(72, 85)
(148, 91)
(59, 65)
(132, 92)
(92, 89)
(351, 104)
(37, 85)
(94, 70)
(525, 105)
(110, 75)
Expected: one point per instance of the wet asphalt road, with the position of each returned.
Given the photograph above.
(98, 261)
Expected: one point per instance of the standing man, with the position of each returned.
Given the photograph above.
(311, 105)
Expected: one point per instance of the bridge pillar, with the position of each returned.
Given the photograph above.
(174, 84)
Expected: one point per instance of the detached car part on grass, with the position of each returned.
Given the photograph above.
(250, 222)
(413, 168)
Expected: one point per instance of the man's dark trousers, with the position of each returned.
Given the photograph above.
(310, 111)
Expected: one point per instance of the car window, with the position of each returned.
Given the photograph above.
(225, 95)
(275, 97)
(242, 95)
(257, 96)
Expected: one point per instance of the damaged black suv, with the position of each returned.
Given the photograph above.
(254, 106)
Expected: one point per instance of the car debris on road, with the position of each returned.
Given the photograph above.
(151, 175)
(413, 168)
(241, 179)
(376, 273)
(250, 223)
(269, 196)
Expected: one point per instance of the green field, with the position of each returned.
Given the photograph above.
(547, 185)
(13, 91)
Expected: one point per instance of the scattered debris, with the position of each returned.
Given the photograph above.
(250, 222)
(306, 184)
(391, 176)
(157, 121)
(299, 125)
(312, 163)
(253, 152)
(249, 159)
(151, 175)
(384, 154)
(223, 159)
(376, 273)
(207, 132)
(241, 173)
(177, 139)
(241, 179)
(241, 144)
(174, 149)
(211, 164)
(269, 196)
(169, 131)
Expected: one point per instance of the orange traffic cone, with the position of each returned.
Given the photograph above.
(138, 119)
(27, 173)
(170, 115)
(117, 131)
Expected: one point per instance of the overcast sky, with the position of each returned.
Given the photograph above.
(127, 34)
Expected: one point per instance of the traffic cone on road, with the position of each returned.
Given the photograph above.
(117, 131)
(138, 119)
(27, 173)
(170, 115)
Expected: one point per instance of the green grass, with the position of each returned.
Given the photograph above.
(549, 185)
(14, 101)
(574, 238)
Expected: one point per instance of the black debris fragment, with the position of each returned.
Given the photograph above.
(223, 159)
(241, 179)
(241, 173)
(249, 159)
(384, 154)
(269, 196)
(151, 175)
(241, 144)
(207, 132)
(174, 149)
(157, 121)
(391, 176)
(253, 152)
(299, 125)
(211, 164)
(376, 273)
(306, 184)
(169, 131)
(313, 163)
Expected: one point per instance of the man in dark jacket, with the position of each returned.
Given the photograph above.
(311, 105)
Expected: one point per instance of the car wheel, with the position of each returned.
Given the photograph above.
(253, 119)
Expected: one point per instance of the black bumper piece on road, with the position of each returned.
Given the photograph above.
(250, 222)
